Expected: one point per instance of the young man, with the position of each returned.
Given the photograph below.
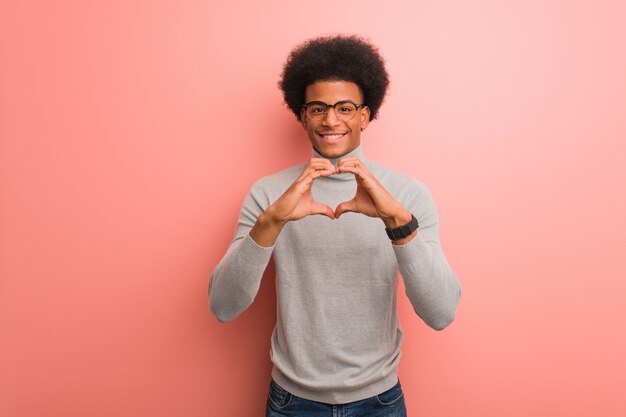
(339, 227)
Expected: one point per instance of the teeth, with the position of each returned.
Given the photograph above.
(332, 137)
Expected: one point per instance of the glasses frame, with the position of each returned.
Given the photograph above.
(358, 107)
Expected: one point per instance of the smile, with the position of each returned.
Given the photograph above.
(332, 137)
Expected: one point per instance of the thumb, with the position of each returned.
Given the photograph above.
(346, 206)
(323, 209)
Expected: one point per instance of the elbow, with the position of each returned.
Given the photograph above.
(225, 310)
(437, 321)
(441, 323)
(219, 310)
(221, 317)
(222, 313)
(217, 313)
(446, 317)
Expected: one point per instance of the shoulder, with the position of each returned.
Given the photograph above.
(412, 193)
(402, 186)
(274, 185)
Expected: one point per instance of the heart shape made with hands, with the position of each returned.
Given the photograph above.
(371, 198)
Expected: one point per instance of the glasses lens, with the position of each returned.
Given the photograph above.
(345, 111)
(316, 110)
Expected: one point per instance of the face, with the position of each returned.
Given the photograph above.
(330, 136)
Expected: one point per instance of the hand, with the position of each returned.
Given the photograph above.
(297, 202)
(371, 198)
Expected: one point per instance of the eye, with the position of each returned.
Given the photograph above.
(316, 109)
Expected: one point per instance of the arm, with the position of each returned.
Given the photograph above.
(236, 279)
(431, 285)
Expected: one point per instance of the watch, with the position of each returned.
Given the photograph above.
(404, 230)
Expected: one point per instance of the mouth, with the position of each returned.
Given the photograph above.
(332, 137)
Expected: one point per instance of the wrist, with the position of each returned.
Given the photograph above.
(398, 219)
(268, 218)
(266, 230)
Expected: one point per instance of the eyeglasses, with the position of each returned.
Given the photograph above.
(344, 110)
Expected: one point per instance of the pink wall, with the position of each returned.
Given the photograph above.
(131, 131)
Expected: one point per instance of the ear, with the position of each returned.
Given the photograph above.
(303, 118)
(365, 117)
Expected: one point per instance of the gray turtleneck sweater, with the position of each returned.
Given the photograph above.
(337, 337)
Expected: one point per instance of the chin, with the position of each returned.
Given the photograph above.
(332, 153)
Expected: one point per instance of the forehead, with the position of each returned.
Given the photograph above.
(333, 91)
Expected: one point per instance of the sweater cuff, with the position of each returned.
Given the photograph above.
(254, 253)
(411, 252)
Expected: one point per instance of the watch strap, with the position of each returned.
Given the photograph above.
(403, 231)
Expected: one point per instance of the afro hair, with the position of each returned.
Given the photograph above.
(335, 58)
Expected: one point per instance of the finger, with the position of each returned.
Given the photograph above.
(314, 174)
(321, 161)
(352, 169)
(321, 173)
(353, 163)
(319, 165)
(316, 168)
(349, 160)
(346, 206)
(324, 210)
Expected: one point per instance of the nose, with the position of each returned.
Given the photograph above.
(330, 119)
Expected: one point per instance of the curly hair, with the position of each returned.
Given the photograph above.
(335, 58)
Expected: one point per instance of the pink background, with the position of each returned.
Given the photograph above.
(131, 131)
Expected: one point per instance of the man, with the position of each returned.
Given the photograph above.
(336, 344)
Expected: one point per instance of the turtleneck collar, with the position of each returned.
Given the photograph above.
(344, 176)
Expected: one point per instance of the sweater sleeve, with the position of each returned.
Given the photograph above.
(236, 279)
(431, 284)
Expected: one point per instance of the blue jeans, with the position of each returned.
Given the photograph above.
(281, 403)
